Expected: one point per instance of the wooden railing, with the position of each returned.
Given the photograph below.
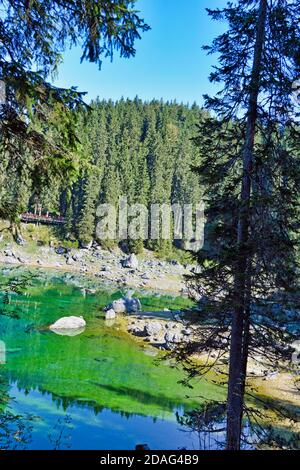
(30, 218)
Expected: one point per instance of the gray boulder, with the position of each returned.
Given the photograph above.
(174, 262)
(131, 262)
(105, 269)
(137, 329)
(9, 253)
(126, 305)
(11, 260)
(20, 240)
(77, 256)
(145, 276)
(187, 331)
(86, 245)
(171, 325)
(197, 269)
(173, 336)
(60, 250)
(132, 305)
(153, 328)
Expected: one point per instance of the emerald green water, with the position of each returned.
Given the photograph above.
(97, 390)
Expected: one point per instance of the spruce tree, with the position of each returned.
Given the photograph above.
(250, 168)
(32, 40)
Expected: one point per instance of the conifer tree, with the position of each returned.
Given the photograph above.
(33, 35)
(250, 168)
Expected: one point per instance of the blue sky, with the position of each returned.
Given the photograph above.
(169, 62)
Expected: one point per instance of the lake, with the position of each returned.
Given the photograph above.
(97, 390)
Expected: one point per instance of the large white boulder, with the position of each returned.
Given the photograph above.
(68, 323)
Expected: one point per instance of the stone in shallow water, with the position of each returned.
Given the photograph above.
(110, 314)
(126, 305)
(68, 323)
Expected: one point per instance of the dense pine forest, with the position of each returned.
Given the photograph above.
(143, 151)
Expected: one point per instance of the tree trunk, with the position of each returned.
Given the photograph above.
(240, 319)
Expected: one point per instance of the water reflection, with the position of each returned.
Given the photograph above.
(68, 331)
(95, 390)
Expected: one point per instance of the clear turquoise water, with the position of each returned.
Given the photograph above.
(97, 390)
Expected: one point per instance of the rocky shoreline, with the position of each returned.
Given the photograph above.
(163, 334)
(142, 272)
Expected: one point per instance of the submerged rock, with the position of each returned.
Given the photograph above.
(109, 323)
(68, 323)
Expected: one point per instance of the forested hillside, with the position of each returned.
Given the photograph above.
(140, 150)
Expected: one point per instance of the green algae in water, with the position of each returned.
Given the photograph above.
(99, 383)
